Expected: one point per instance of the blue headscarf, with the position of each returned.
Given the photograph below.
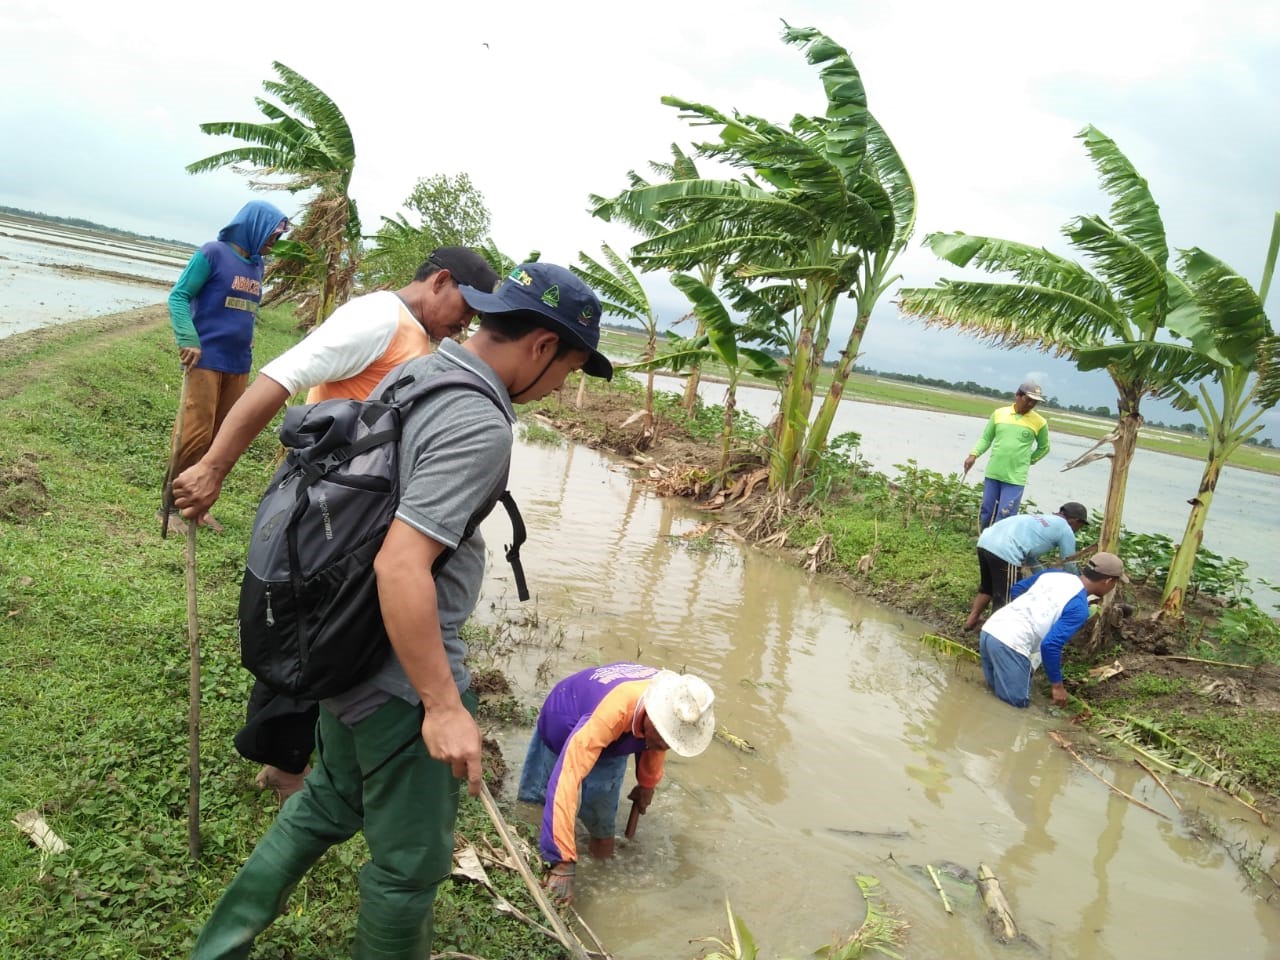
(250, 228)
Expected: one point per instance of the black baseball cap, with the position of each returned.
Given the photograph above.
(466, 266)
(557, 295)
(1074, 511)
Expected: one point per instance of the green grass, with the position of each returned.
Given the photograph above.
(93, 679)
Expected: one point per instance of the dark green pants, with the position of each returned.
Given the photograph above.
(407, 811)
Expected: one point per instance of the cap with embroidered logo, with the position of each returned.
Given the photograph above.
(557, 295)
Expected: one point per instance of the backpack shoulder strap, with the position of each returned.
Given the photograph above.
(518, 537)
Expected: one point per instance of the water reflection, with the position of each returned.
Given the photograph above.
(872, 756)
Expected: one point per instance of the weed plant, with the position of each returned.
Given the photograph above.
(93, 690)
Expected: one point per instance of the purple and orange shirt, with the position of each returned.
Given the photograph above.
(591, 714)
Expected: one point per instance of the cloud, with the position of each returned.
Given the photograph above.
(543, 110)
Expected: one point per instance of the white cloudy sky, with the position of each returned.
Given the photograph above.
(102, 103)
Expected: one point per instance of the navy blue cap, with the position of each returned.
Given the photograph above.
(556, 294)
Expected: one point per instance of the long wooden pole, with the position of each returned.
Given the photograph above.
(571, 943)
(193, 699)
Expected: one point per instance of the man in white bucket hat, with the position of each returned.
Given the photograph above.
(589, 724)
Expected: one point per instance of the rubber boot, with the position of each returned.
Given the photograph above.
(256, 896)
(395, 924)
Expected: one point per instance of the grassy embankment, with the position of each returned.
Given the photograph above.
(869, 389)
(94, 667)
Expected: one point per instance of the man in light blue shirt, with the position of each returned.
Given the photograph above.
(1008, 545)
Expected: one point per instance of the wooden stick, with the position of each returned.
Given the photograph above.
(1213, 663)
(600, 951)
(193, 699)
(571, 943)
(1058, 739)
(946, 904)
(999, 916)
(1159, 781)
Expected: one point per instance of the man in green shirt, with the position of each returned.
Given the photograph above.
(1017, 437)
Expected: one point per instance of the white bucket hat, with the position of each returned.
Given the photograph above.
(680, 707)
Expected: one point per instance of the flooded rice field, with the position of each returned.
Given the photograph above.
(51, 273)
(1160, 485)
(872, 756)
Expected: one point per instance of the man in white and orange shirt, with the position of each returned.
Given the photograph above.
(589, 724)
(345, 357)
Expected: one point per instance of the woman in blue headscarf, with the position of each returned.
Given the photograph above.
(212, 309)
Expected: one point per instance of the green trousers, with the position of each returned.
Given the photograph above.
(407, 808)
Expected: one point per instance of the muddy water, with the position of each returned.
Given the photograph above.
(872, 757)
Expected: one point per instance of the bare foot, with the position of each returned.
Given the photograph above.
(176, 524)
(601, 847)
(285, 784)
(208, 521)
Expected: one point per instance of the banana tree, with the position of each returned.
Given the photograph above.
(804, 214)
(1057, 305)
(720, 341)
(1219, 318)
(622, 295)
(310, 148)
(680, 167)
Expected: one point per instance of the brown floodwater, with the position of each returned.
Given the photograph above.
(872, 756)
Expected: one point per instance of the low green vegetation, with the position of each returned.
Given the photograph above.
(93, 680)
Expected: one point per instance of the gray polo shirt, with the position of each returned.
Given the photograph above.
(455, 451)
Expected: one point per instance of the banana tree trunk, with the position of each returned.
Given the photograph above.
(691, 389)
(1184, 557)
(817, 438)
(726, 433)
(793, 414)
(1228, 429)
(1125, 444)
(797, 397)
(695, 377)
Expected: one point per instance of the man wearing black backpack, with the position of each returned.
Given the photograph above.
(345, 356)
(392, 750)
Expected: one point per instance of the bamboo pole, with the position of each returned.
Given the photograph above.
(1060, 741)
(999, 916)
(933, 875)
(193, 699)
(571, 943)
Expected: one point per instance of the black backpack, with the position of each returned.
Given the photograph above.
(309, 620)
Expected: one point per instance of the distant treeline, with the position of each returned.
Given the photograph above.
(90, 225)
(968, 386)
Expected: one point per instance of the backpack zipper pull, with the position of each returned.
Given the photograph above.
(271, 619)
